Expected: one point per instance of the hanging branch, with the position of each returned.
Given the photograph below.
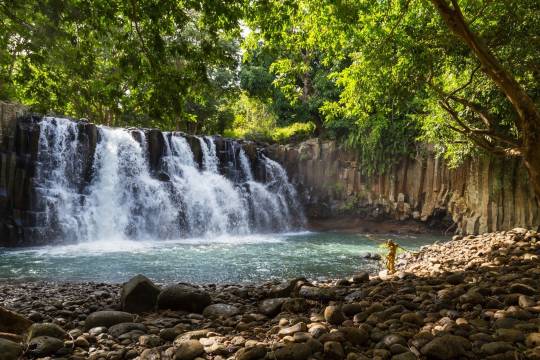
(471, 78)
(478, 136)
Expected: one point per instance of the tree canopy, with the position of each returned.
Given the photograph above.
(380, 76)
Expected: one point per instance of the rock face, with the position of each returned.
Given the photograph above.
(183, 297)
(139, 295)
(482, 195)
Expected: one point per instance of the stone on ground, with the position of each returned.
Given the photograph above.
(139, 295)
(107, 318)
(183, 297)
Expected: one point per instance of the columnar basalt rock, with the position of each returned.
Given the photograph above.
(481, 195)
(58, 175)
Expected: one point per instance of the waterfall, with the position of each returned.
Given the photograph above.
(148, 185)
(210, 160)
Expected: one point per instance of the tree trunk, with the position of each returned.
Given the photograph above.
(532, 163)
(528, 123)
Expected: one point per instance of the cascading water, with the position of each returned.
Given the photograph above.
(123, 188)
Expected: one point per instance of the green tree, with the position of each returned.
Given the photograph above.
(141, 62)
(461, 75)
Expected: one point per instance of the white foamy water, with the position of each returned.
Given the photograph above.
(115, 193)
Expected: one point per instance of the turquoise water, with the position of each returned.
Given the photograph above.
(224, 259)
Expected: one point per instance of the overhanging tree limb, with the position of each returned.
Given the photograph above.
(522, 103)
(528, 115)
(481, 136)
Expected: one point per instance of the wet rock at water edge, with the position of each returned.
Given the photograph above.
(286, 288)
(139, 295)
(183, 297)
(271, 307)
(317, 293)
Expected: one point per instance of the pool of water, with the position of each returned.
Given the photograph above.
(223, 259)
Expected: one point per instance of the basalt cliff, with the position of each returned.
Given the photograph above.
(482, 195)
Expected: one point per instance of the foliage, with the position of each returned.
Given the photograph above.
(378, 76)
(393, 62)
(293, 132)
(141, 62)
(254, 119)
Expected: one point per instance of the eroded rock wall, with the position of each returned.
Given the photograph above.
(482, 195)
(16, 171)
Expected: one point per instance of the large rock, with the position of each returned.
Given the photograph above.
(333, 350)
(9, 350)
(11, 322)
(356, 336)
(271, 307)
(189, 350)
(286, 288)
(294, 305)
(220, 310)
(44, 346)
(533, 339)
(317, 293)
(46, 329)
(107, 319)
(446, 347)
(292, 351)
(139, 295)
(183, 297)
(334, 315)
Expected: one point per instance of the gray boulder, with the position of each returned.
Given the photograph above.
(139, 295)
(317, 293)
(107, 319)
(183, 297)
(272, 307)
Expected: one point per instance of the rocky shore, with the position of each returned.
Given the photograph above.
(476, 297)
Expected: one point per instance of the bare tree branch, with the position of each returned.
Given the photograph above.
(471, 78)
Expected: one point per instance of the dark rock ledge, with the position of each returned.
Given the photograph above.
(472, 298)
